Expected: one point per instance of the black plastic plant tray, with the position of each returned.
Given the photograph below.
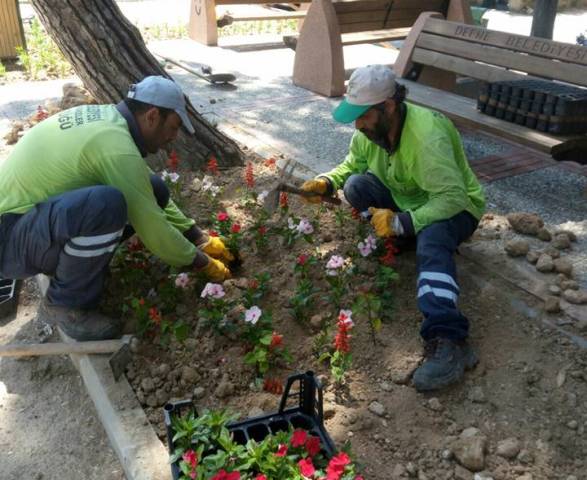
(8, 296)
(307, 414)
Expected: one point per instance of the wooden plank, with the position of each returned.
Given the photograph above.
(368, 26)
(271, 15)
(366, 5)
(540, 47)
(254, 2)
(374, 36)
(464, 67)
(463, 111)
(375, 16)
(538, 66)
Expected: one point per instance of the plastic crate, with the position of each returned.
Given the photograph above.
(307, 414)
(8, 296)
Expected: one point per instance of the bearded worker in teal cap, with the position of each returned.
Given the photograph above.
(407, 170)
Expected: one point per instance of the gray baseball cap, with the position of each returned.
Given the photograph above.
(161, 92)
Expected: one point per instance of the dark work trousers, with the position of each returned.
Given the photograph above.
(71, 238)
(437, 287)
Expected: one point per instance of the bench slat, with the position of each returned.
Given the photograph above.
(270, 15)
(255, 2)
(374, 36)
(374, 16)
(370, 5)
(463, 111)
(368, 26)
(563, 71)
(464, 67)
(534, 46)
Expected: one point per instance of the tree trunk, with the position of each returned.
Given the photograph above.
(543, 18)
(108, 53)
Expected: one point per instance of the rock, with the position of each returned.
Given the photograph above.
(434, 404)
(582, 325)
(517, 248)
(568, 233)
(525, 476)
(561, 242)
(225, 387)
(525, 457)
(255, 412)
(163, 369)
(199, 392)
(552, 304)
(470, 452)
(386, 386)
(508, 448)
(573, 424)
(401, 377)
(377, 408)
(564, 266)
(470, 432)
(477, 395)
(526, 223)
(398, 471)
(461, 473)
(483, 476)
(532, 256)
(196, 185)
(553, 252)
(189, 374)
(544, 235)
(135, 343)
(577, 297)
(316, 321)
(412, 469)
(152, 401)
(148, 385)
(161, 396)
(554, 290)
(569, 285)
(545, 263)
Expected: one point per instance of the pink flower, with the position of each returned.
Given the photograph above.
(282, 450)
(222, 216)
(313, 446)
(213, 290)
(359, 477)
(305, 227)
(336, 466)
(302, 259)
(336, 261)
(235, 228)
(224, 475)
(182, 280)
(298, 438)
(367, 246)
(253, 314)
(306, 467)
(260, 477)
(191, 458)
(345, 316)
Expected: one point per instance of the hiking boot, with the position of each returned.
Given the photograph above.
(445, 364)
(79, 324)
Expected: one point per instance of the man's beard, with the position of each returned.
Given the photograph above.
(379, 135)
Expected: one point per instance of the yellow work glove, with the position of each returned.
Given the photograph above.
(318, 186)
(216, 249)
(216, 270)
(382, 221)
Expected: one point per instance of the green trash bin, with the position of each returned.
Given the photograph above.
(477, 13)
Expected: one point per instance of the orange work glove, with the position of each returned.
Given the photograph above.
(216, 270)
(382, 221)
(216, 249)
(316, 185)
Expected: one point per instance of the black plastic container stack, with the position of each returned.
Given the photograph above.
(8, 296)
(300, 408)
(538, 104)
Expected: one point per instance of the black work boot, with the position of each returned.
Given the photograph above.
(445, 363)
(79, 324)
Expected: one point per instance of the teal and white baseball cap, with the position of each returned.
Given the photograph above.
(162, 92)
(367, 86)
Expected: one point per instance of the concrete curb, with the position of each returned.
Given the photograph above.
(141, 453)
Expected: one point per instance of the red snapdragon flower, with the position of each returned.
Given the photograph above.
(249, 176)
(281, 451)
(235, 228)
(283, 200)
(306, 467)
(224, 475)
(222, 217)
(390, 250)
(155, 315)
(276, 340)
(342, 339)
(173, 161)
(273, 385)
(302, 259)
(270, 162)
(298, 438)
(212, 166)
(313, 446)
(213, 233)
(336, 466)
(262, 230)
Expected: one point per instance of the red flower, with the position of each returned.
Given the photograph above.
(249, 177)
(270, 162)
(302, 259)
(389, 257)
(355, 214)
(336, 466)
(155, 315)
(235, 228)
(306, 467)
(359, 477)
(191, 458)
(135, 244)
(283, 200)
(282, 450)
(260, 477)
(141, 301)
(253, 284)
(224, 475)
(213, 233)
(262, 230)
(273, 385)
(313, 446)
(173, 161)
(222, 217)
(342, 339)
(276, 340)
(41, 114)
(298, 438)
(212, 166)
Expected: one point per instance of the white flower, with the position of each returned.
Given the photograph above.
(164, 174)
(152, 293)
(182, 280)
(305, 227)
(262, 196)
(207, 183)
(336, 261)
(345, 316)
(365, 250)
(371, 241)
(252, 315)
(173, 177)
(291, 224)
(213, 290)
(214, 190)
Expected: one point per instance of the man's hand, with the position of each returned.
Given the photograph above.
(216, 249)
(319, 186)
(382, 221)
(216, 271)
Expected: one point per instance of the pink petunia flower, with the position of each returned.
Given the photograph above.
(213, 290)
(253, 314)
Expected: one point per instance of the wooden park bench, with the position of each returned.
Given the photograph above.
(437, 51)
(319, 62)
(203, 23)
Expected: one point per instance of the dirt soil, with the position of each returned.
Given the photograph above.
(521, 414)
